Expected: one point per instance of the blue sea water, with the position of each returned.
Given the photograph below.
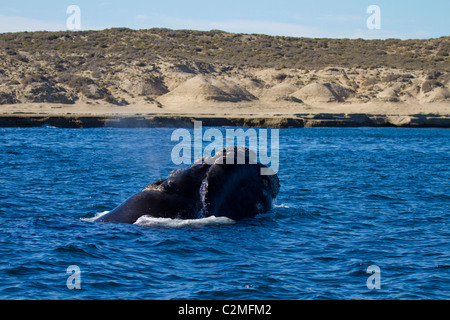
(350, 198)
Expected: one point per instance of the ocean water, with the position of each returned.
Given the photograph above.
(350, 198)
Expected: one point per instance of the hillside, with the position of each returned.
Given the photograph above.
(163, 68)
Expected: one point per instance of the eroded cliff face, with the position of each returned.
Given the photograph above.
(163, 67)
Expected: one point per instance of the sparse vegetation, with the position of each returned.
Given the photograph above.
(429, 85)
(98, 48)
(68, 65)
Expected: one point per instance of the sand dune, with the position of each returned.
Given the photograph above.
(280, 91)
(316, 93)
(168, 87)
(201, 89)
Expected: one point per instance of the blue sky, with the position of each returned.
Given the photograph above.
(333, 19)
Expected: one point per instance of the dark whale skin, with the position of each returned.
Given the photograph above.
(209, 187)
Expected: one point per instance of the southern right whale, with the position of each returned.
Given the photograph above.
(228, 184)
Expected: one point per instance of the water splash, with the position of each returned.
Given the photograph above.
(282, 205)
(97, 215)
(148, 221)
(203, 188)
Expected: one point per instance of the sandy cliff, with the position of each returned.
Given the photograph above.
(200, 73)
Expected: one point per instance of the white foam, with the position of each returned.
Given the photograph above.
(281, 206)
(48, 126)
(203, 188)
(97, 215)
(148, 221)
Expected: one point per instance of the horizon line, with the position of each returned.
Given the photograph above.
(222, 31)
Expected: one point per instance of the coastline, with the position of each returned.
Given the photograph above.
(187, 120)
(175, 77)
(225, 114)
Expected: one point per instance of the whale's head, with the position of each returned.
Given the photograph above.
(228, 184)
(233, 185)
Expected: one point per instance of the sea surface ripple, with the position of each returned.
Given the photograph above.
(350, 198)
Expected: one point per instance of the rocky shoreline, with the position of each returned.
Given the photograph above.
(186, 121)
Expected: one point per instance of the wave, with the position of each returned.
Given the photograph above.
(148, 221)
(48, 126)
(281, 206)
(97, 215)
